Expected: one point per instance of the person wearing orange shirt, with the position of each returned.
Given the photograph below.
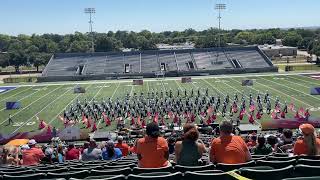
(152, 150)
(228, 148)
(33, 155)
(122, 146)
(309, 144)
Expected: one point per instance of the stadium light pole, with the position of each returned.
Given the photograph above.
(90, 11)
(220, 7)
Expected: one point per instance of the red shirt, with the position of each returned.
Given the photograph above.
(32, 156)
(72, 154)
(124, 148)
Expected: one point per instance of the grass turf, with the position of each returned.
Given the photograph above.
(49, 100)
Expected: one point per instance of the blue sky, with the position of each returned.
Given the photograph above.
(67, 16)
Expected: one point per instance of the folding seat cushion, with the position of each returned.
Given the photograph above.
(302, 170)
(230, 167)
(180, 168)
(265, 174)
(276, 164)
(34, 176)
(207, 176)
(172, 176)
(137, 170)
(124, 171)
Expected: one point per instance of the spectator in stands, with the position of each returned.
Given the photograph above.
(262, 148)
(110, 152)
(286, 142)
(189, 151)
(72, 153)
(33, 155)
(252, 141)
(229, 148)
(85, 146)
(152, 150)
(309, 144)
(92, 153)
(122, 146)
(171, 144)
(273, 141)
(60, 154)
(9, 156)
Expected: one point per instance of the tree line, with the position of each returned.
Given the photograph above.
(36, 50)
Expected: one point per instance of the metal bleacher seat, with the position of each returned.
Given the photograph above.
(265, 174)
(124, 171)
(179, 168)
(134, 61)
(182, 59)
(35, 176)
(149, 63)
(137, 170)
(169, 60)
(114, 64)
(106, 177)
(249, 58)
(230, 167)
(95, 65)
(302, 170)
(276, 164)
(207, 176)
(203, 60)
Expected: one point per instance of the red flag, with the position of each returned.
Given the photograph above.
(235, 108)
(156, 117)
(252, 108)
(258, 115)
(273, 115)
(132, 121)
(209, 120)
(49, 131)
(42, 124)
(175, 119)
(192, 118)
(162, 122)
(241, 116)
(148, 114)
(106, 120)
(88, 123)
(251, 120)
(213, 117)
(278, 109)
(297, 116)
(143, 123)
(283, 114)
(94, 127)
(301, 110)
(210, 110)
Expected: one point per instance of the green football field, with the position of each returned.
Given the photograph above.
(48, 100)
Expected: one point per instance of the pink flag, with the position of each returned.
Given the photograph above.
(252, 108)
(291, 106)
(301, 110)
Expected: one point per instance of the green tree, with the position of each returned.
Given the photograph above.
(244, 37)
(292, 39)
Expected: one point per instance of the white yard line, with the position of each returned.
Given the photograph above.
(148, 86)
(20, 110)
(285, 94)
(301, 86)
(24, 98)
(178, 85)
(288, 87)
(131, 90)
(309, 82)
(154, 79)
(14, 94)
(65, 107)
(41, 110)
(114, 92)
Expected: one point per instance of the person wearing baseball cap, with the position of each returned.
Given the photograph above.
(310, 144)
(33, 155)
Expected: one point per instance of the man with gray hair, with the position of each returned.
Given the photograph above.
(228, 148)
(122, 146)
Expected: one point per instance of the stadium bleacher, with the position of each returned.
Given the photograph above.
(127, 168)
(141, 62)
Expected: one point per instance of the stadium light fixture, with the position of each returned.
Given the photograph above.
(90, 11)
(219, 8)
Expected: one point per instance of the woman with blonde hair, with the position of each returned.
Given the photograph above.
(309, 144)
